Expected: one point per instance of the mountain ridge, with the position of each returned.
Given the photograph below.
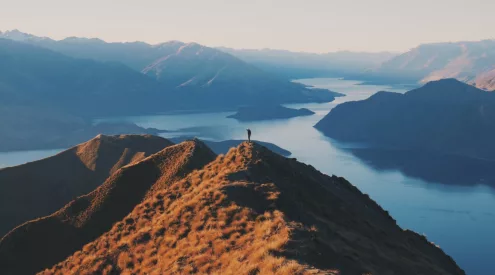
(88, 216)
(452, 117)
(249, 210)
(239, 213)
(80, 87)
(39, 188)
(50, 91)
(187, 75)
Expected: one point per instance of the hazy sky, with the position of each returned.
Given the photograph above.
(309, 25)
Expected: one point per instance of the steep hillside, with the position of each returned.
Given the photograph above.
(471, 62)
(89, 216)
(218, 78)
(49, 99)
(35, 77)
(39, 188)
(254, 212)
(444, 116)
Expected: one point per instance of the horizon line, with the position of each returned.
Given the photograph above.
(251, 49)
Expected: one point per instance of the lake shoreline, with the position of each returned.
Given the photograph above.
(444, 212)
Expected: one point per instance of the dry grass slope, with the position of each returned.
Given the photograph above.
(255, 212)
(89, 216)
(39, 188)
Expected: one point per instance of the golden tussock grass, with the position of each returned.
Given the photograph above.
(254, 212)
(191, 227)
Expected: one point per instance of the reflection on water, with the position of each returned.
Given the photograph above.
(430, 167)
(436, 198)
(447, 199)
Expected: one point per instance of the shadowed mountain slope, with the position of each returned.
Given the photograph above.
(35, 77)
(39, 188)
(48, 99)
(252, 211)
(139, 55)
(202, 77)
(217, 78)
(135, 55)
(89, 216)
(445, 116)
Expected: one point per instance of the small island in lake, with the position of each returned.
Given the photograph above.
(264, 112)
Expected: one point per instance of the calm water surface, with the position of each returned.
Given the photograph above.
(456, 213)
(8, 159)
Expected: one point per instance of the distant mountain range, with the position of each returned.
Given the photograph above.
(194, 76)
(142, 56)
(51, 90)
(446, 116)
(186, 210)
(470, 62)
(35, 77)
(295, 65)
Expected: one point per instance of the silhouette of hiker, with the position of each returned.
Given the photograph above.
(249, 134)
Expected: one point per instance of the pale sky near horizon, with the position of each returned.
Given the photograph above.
(310, 25)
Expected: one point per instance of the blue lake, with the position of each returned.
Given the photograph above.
(450, 200)
(8, 159)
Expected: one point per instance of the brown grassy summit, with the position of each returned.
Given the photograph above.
(39, 188)
(252, 211)
(91, 215)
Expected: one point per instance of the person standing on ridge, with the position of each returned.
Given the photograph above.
(249, 134)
